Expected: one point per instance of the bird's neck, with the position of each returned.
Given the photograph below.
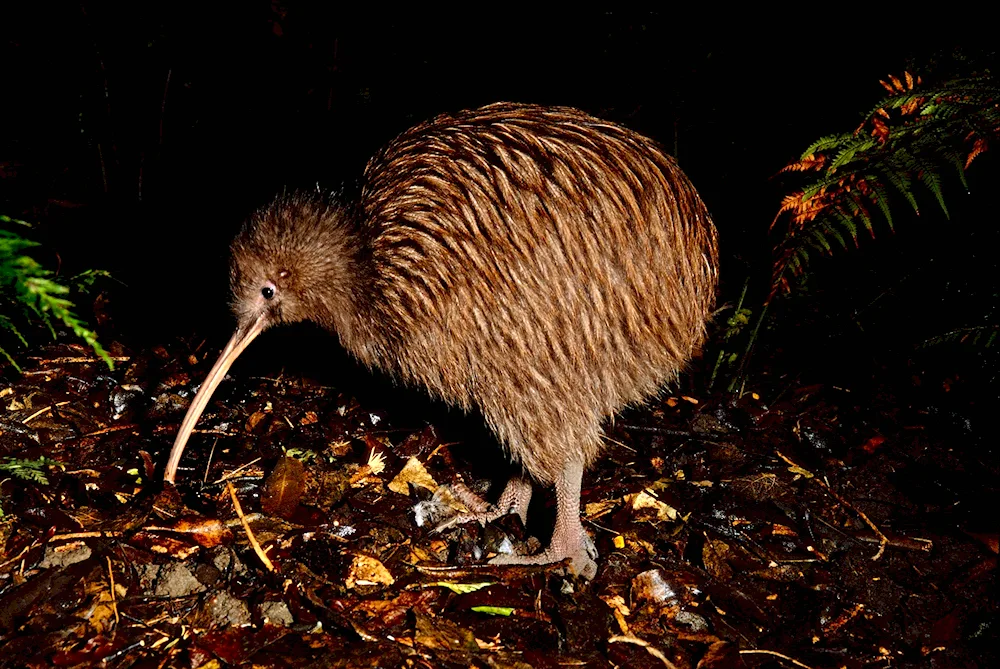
(343, 304)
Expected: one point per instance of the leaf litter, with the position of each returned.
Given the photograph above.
(821, 530)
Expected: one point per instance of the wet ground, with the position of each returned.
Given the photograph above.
(801, 526)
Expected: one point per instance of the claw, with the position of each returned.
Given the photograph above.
(483, 519)
(569, 540)
(514, 499)
(581, 562)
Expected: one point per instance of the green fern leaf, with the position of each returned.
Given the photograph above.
(901, 182)
(825, 144)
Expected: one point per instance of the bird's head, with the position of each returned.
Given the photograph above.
(292, 261)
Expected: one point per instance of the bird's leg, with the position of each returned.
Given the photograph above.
(514, 499)
(568, 538)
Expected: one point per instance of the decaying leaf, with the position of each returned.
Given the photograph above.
(439, 633)
(412, 472)
(283, 488)
(254, 420)
(643, 503)
(461, 588)
(366, 570)
(714, 554)
(594, 510)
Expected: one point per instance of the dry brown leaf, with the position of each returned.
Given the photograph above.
(412, 472)
(366, 570)
(443, 634)
(643, 502)
(283, 488)
(254, 420)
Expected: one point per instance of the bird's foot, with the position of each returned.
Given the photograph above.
(581, 553)
(514, 499)
(484, 518)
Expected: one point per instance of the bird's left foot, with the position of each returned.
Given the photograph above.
(581, 553)
(514, 499)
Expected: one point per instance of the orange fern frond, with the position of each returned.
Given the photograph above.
(909, 81)
(887, 86)
(880, 130)
(803, 208)
(809, 163)
(911, 106)
(978, 147)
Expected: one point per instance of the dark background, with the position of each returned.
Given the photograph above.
(139, 137)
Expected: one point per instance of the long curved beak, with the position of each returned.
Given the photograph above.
(240, 340)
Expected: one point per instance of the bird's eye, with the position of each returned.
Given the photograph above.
(267, 292)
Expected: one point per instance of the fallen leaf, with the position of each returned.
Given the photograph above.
(283, 488)
(366, 570)
(461, 588)
(415, 473)
(643, 501)
(493, 610)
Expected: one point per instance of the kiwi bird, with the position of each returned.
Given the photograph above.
(537, 264)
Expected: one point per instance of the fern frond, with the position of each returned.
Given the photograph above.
(979, 147)
(849, 152)
(825, 144)
(900, 180)
(807, 163)
(819, 241)
(832, 230)
(848, 224)
(29, 470)
(930, 178)
(9, 359)
(905, 139)
(33, 288)
(981, 335)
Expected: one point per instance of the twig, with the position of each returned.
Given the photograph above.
(617, 443)
(655, 652)
(653, 429)
(211, 455)
(78, 359)
(897, 541)
(224, 433)
(112, 428)
(246, 528)
(231, 475)
(439, 447)
(114, 601)
(41, 411)
(776, 654)
(17, 557)
(73, 536)
(882, 539)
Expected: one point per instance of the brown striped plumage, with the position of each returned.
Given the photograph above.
(536, 263)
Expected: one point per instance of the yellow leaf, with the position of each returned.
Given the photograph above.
(367, 570)
(415, 473)
(461, 588)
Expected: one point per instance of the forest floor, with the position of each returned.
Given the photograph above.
(800, 526)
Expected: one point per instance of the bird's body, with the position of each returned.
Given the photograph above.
(537, 264)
